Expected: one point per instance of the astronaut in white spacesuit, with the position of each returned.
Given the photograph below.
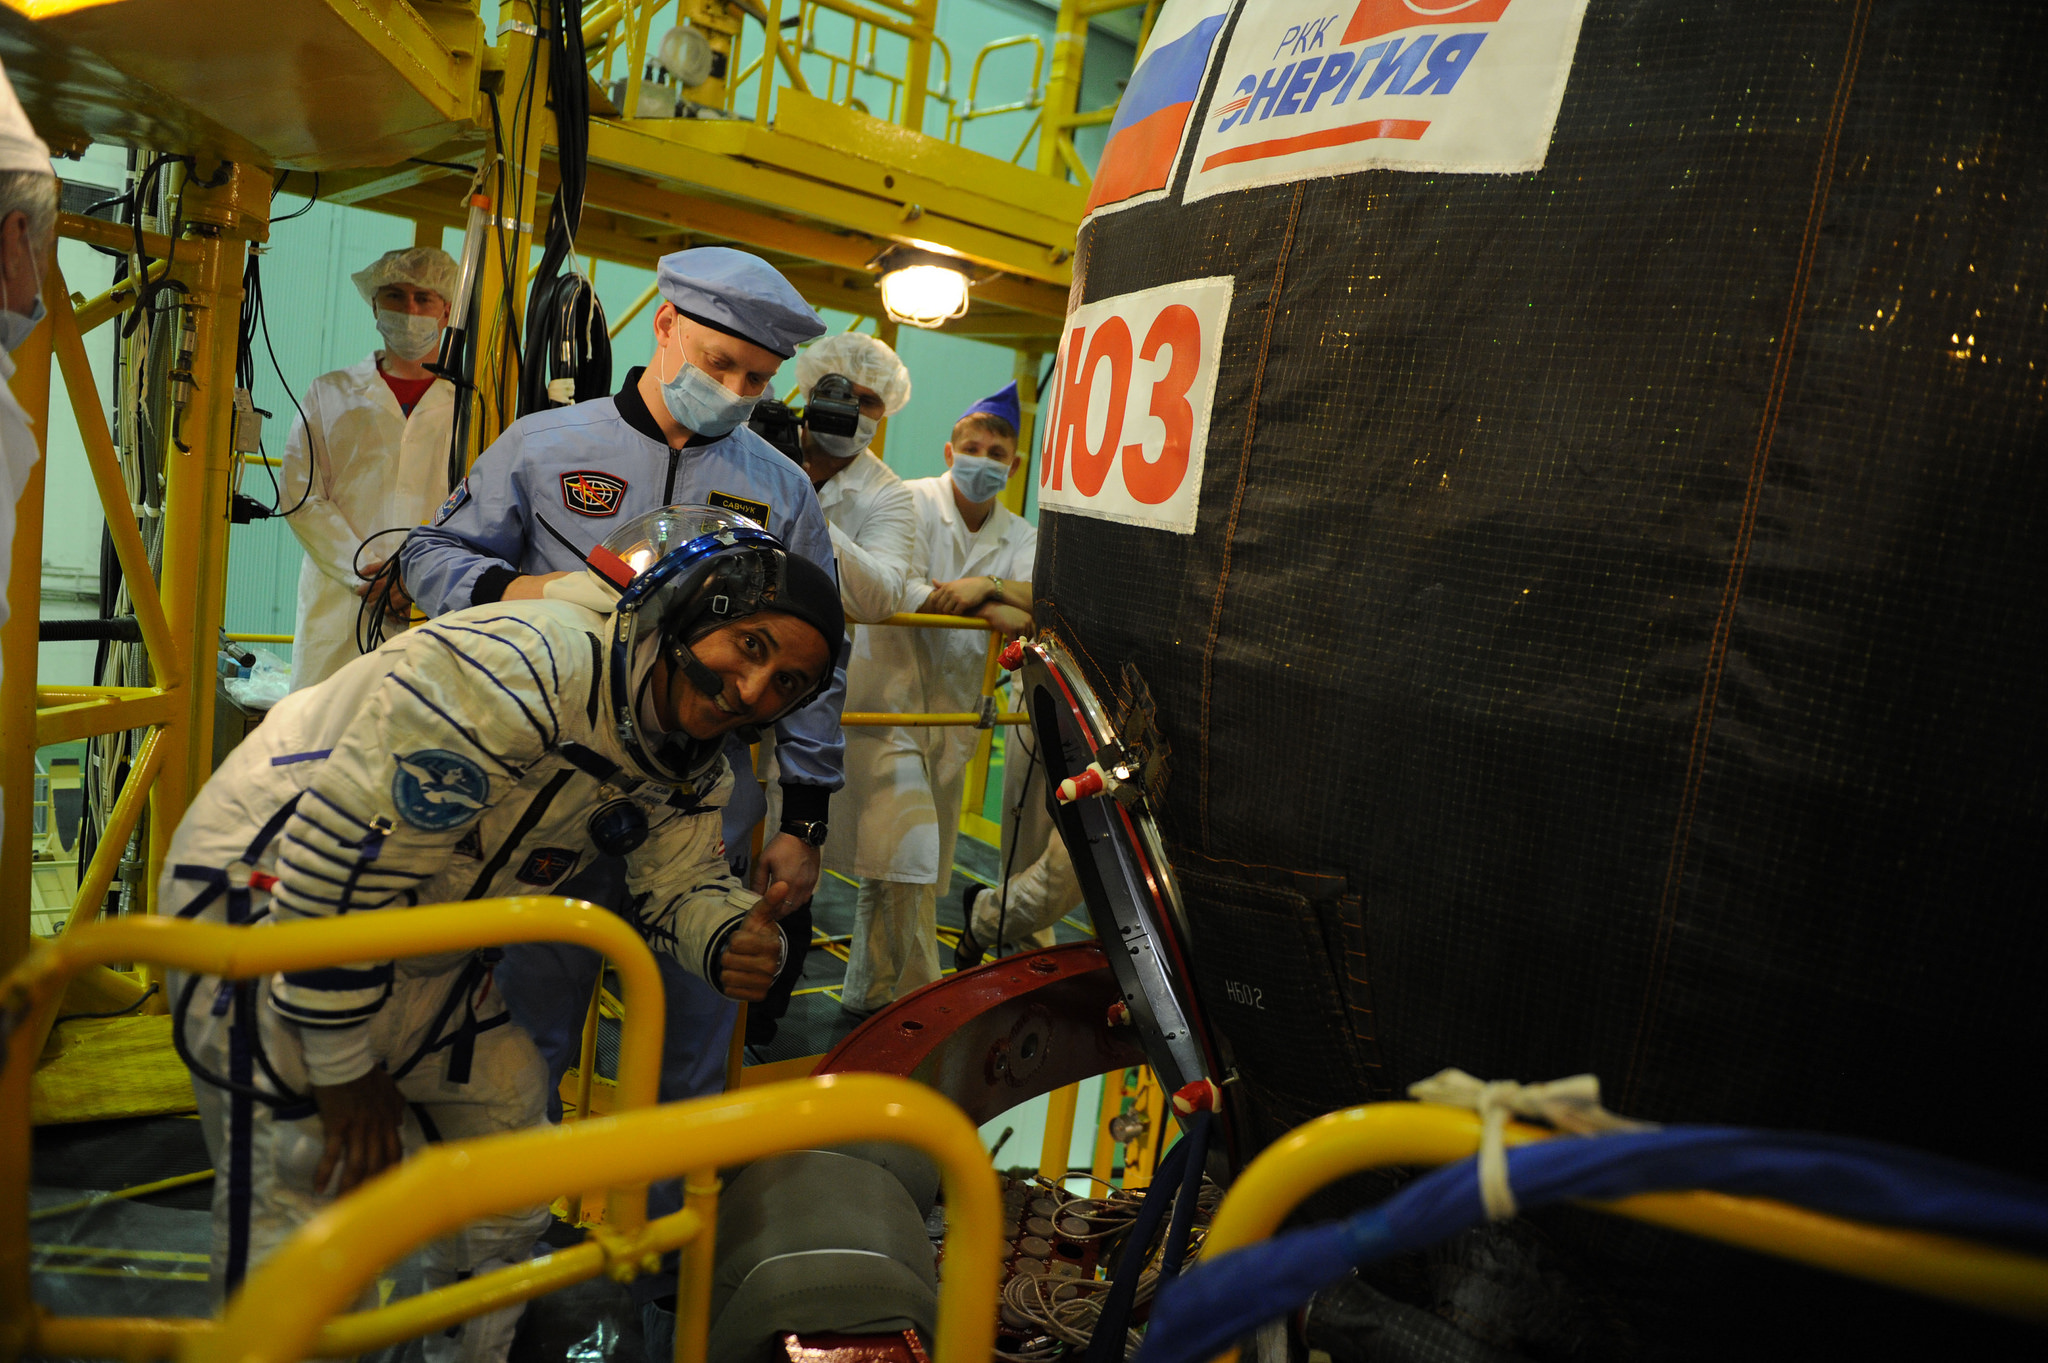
(485, 753)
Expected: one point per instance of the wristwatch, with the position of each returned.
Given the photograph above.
(995, 592)
(810, 831)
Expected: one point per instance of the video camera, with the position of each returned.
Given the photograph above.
(833, 410)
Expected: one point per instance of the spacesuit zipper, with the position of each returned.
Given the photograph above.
(668, 490)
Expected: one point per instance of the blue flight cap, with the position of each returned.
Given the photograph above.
(739, 294)
(1002, 403)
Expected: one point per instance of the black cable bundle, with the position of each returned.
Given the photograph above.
(566, 336)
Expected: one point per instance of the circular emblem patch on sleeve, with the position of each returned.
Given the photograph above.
(437, 790)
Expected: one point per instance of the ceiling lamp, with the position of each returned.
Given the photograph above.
(923, 289)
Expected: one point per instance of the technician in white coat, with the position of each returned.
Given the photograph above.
(370, 460)
(28, 236)
(867, 507)
(973, 557)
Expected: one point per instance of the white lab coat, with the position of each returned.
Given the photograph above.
(903, 785)
(372, 468)
(873, 521)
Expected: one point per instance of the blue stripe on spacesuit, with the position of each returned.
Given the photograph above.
(554, 676)
(287, 759)
(545, 689)
(511, 768)
(547, 738)
(364, 824)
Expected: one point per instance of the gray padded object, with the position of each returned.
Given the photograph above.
(817, 1241)
(913, 1168)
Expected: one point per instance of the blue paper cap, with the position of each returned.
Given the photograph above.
(739, 294)
(1002, 403)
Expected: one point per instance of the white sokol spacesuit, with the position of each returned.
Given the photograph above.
(463, 760)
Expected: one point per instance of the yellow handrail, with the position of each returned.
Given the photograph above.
(30, 993)
(277, 1316)
(1377, 1135)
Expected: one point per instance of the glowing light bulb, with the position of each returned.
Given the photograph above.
(924, 295)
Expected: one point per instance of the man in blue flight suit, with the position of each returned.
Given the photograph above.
(553, 486)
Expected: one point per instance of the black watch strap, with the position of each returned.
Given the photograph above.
(811, 831)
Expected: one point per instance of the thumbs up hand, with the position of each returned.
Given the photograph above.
(753, 953)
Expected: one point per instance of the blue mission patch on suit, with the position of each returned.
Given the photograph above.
(437, 790)
(546, 865)
(589, 493)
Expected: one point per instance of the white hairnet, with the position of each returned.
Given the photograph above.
(861, 358)
(430, 267)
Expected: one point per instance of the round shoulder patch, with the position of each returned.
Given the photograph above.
(437, 790)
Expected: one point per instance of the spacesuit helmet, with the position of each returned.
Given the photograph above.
(685, 571)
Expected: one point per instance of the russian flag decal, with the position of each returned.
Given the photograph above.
(1151, 123)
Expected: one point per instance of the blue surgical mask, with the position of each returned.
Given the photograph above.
(701, 403)
(14, 326)
(980, 478)
(409, 335)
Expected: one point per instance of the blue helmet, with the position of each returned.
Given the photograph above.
(685, 571)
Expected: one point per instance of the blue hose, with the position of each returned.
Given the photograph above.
(1224, 1299)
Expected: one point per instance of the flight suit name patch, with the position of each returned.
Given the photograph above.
(758, 512)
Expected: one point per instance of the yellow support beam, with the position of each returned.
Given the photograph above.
(120, 827)
(18, 644)
(112, 715)
(198, 466)
(66, 336)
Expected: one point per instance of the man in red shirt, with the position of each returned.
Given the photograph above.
(368, 459)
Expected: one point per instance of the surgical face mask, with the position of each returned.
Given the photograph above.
(409, 335)
(847, 446)
(980, 478)
(701, 403)
(15, 326)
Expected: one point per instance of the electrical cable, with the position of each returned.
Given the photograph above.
(371, 618)
(566, 335)
(1010, 862)
(114, 1013)
(304, 208)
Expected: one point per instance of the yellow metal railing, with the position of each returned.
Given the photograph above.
(288, 1308)
(1034, 95)
(1378, 1135)
(28, 1002)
